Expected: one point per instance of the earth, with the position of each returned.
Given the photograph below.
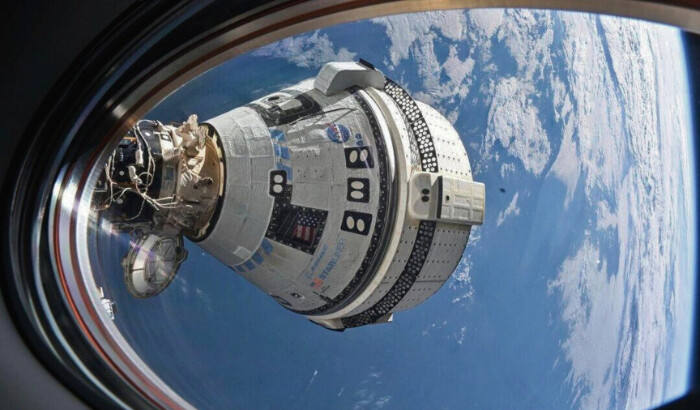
(576, 291)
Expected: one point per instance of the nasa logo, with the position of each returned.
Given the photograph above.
(337, 133)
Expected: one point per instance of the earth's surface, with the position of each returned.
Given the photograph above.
(577, 290)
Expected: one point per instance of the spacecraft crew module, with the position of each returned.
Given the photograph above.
(341, 197)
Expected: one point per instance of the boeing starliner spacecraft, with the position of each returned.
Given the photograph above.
(342, 197)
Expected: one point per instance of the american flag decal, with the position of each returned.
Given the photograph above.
(296, 226)
(305, 228)
(304, 233)
(316, 283)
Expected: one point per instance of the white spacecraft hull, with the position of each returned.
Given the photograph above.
(341, 197)
(344, 198)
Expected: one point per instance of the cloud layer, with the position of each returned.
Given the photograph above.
(312, 50)
(633, 163)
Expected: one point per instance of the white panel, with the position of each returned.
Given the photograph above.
(419, 292)
(411, 155)
(451, 236)
(423, 196)
(320, 180)
(462, 201)
(318, 144)
(246, 207)
(445, 252)
(408, 235)
(446, 198)
(452, 156)
(337, 76)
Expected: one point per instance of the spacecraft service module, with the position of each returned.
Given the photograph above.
(341, 197)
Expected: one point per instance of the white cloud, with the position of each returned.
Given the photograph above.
(474, 237)
(461, 281)
(205, 299)
(460, 336)
(593, 308)
(607, 117)
(367, 397)
(513, 122)
(528, 34)
(313, 377)
(456, 69)
(512, 209)
(433, 327)
(382, 401)
(486, 21)
(514, 113)
(435, 91)
(507, 168)
(593, 146)
(624, 323)
(605, 218)
(311, 50)
(404, 30)
(445, 82)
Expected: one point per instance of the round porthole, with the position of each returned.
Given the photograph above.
(118, 207)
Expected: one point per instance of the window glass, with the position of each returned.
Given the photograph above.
(575, 292)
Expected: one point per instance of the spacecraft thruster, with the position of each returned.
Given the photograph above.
(342, 197)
